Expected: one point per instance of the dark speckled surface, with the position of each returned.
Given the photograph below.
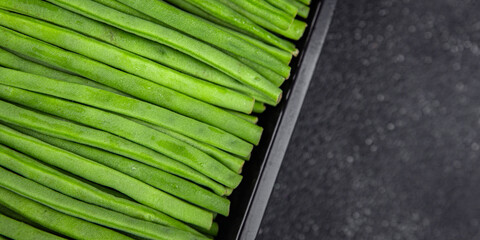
(388, 142)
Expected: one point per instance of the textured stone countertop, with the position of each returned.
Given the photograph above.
(388, 142)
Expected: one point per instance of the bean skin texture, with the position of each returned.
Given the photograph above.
(250, 118)
(295, 31)
(232, 162)
(181, 42)
(127, 106)
(90, 212)
(130, 84)
(68, 185)
(125, 128)
(127, 61)
(273, 77)
(56, 221)
(231, 17)
(10, 60)
(106, 176)
(154, 177)
(284, 5)
(18, 230)
(127, 41)
(303, 10)
(207, 32)
(69, 131)
(278, 18)
(285, 56)
(259, 107)
(306, 2)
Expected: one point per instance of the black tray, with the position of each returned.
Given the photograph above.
(250, 199)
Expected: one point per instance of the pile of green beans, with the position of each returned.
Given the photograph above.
(133, 119)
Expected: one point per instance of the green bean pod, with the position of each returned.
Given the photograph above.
(232, 162)
(306, 2)
(278, 18)
(127, 41)
(10, 60)
(18, 230)
(259, 107)
(166, 182)
(73, 132)
(250, 118)
(207, 32)
(125, 128)
(126, 106)
(90, 212)
(106, 176)
(78, 189)
(284, 55)
(56, 221)
(295, 31)
(284, 5)
(213, 231)
(125, 9)
(128, 62)
(303, 10)
(14, 215)
(130, 84)
(181, 42)
(233, 18)
(273, 77)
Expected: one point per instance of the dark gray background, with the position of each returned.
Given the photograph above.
(387, 145)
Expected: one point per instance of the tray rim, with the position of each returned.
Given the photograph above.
(285, 126)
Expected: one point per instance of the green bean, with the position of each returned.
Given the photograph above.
(81, 190)
(280, 54)
(233, 163)
(181, 42)
(131, 84)
(125, 128)
(159, 179)
(284, 5)
(127, 106)
(303, 10)
(90, 212)
(12, 214)
(265, 6)
(125, 9)
(143, 47)
(283, 55)
(15, 216)
(10, 60)
(278, 18)
(73, 132)
(259, 107)
(250, 118)
(295, 31)
(128, 62)
(273, 77)
(213, 231)
(233, 18)
(306, 2)
(18, 230)
(206, 31)
(106, 176)
(56, 221)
